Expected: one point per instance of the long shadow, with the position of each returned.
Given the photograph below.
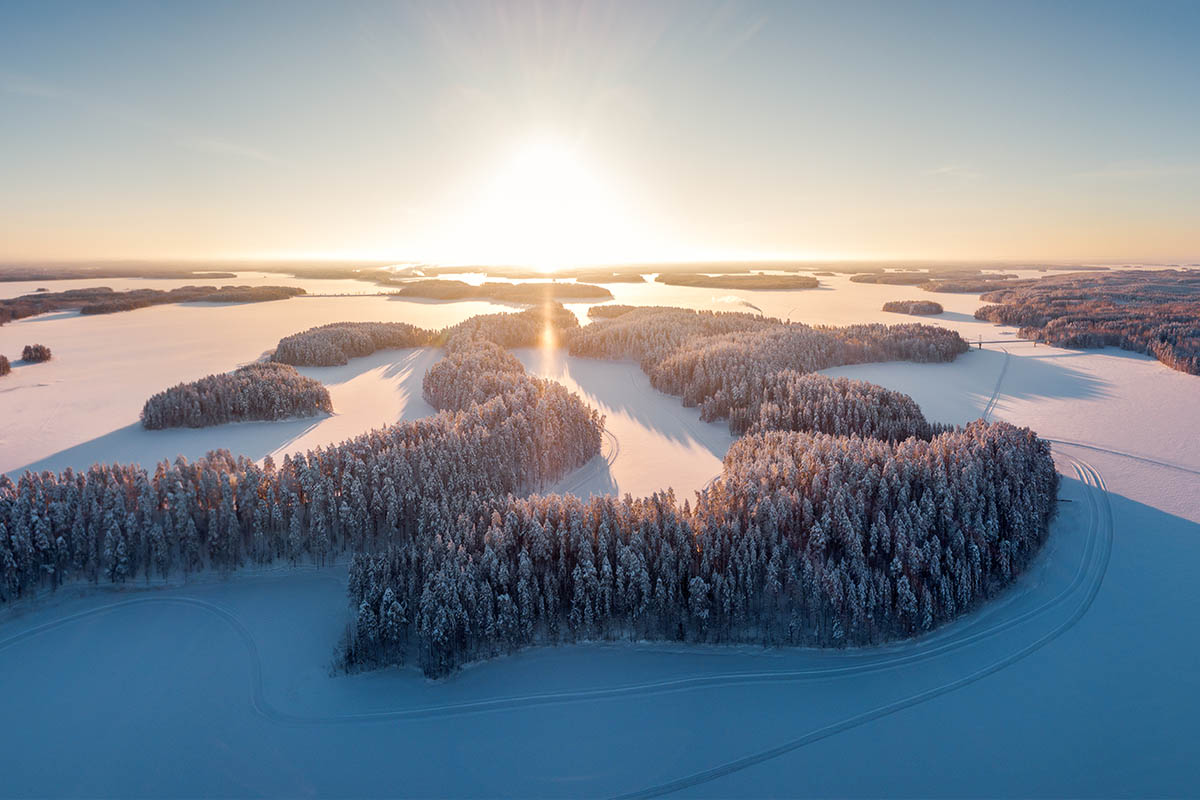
(621, 387)
(626, 389)
(953, 316)
(134, 444)
(1037, 376)
(53, 315)
(395, 363)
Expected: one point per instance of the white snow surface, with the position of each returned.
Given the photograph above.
(1082, 680)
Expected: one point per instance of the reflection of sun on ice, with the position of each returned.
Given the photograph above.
(545, 208)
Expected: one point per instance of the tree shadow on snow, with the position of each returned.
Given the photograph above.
(133, 444)
(620, 387)
(407, 364)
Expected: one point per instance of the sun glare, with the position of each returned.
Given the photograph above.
(546, 207)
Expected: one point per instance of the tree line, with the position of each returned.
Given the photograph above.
(263, 391)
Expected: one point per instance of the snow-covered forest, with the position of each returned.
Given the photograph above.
(261, 391)
(915, 307)
(803, 540)
(335, 344)
(407, 480)
(719, 361)
(789, 400)
(1156, 312)
(805, 537)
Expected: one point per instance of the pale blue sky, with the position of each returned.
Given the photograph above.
(641, 131)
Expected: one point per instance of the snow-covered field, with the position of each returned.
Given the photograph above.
(1082, 680)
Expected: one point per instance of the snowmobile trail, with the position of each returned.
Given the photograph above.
(1101, 521)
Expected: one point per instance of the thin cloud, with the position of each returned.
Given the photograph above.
(956, 171)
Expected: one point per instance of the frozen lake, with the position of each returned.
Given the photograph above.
(1081, 680)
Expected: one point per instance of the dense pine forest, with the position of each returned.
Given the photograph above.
(804, 539)
(843, 516)
(1156, 312)
(789, 400)
(253, 392)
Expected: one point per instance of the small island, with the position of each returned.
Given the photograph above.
(256, 392)
(920, 308)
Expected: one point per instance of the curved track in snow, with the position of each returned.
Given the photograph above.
(1101, 530)
(608, 455)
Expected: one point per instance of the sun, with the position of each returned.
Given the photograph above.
(546, 207)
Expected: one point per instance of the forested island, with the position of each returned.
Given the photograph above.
(520, 293)
(103, 300)
(1156, 312)
(914, 307)
(884, 526)
(335, 344)
(749, 281)
(255, 392)
(891, 278)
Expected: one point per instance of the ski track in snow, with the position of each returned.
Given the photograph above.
(610, 449)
